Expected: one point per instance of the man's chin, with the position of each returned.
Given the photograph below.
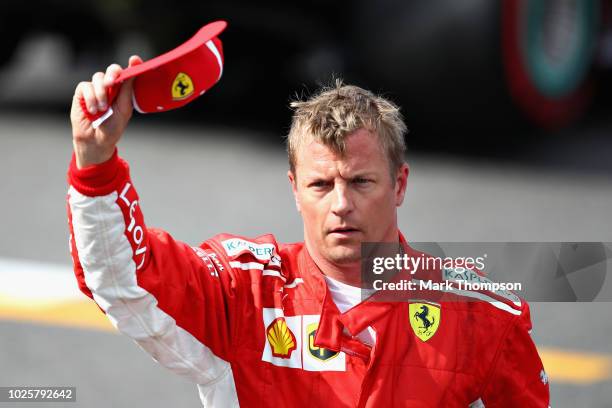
(344, 255)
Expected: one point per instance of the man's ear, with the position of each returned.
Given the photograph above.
(293, 182)
(401, 180)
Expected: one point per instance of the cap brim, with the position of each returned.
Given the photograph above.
(205, 34)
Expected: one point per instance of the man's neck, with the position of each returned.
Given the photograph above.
(349, 274)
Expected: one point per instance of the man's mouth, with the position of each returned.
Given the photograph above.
(344, 230)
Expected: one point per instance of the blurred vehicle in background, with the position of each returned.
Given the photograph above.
(487, 63)
(481, 65)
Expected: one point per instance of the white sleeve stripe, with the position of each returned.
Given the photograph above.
(269, 272)
(246, 266)
(294, 283)
(110, 273)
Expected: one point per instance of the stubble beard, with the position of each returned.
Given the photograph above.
(340, 255)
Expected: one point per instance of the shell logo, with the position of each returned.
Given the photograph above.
(281, 339)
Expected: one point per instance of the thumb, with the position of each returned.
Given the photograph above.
(124, 98)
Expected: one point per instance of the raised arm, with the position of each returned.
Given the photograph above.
(175, 301)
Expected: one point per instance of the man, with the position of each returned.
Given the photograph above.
(258, 323)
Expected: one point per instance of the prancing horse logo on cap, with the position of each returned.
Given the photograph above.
(182, 87)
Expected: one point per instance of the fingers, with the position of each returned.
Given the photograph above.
(101, 82)
(97, 82)
(112, 72)
(85, 90)
(95, 93)
(134, 60)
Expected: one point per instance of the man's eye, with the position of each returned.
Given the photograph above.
(318, 184)
(361, 180)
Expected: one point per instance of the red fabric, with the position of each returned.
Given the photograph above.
(99, 179)
(222, 292)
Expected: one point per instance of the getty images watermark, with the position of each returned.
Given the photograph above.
(561, 271)
(457, 273)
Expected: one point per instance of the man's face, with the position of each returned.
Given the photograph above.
(346, 200)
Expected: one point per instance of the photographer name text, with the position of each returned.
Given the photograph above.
(446, 286)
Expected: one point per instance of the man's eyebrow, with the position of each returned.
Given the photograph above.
(364, 174)
(309, 178)
(315, 178)
(314, 174)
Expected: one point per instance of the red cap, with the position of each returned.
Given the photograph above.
(178, 76)
(174, 78)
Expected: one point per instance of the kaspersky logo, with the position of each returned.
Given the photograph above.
(468, 275)
(319, 353)
(281, 339)
(235, 246)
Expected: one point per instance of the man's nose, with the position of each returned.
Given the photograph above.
(342, 201)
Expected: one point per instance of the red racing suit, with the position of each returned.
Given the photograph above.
(251, 321)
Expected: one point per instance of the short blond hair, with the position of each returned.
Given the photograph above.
(337, 111)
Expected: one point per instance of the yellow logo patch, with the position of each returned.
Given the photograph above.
(424, 319)
(182, 87)
(281, 339)
(319, 353)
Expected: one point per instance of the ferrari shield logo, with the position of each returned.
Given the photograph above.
(424, 319)
(182, 87)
